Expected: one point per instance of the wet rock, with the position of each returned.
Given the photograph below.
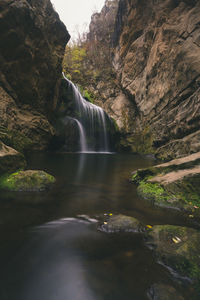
(120, 223)
(27, 181)
(32, 45)
(161, 291)
(10, 159)
(23, 128)
(178, 248)
(175, 183)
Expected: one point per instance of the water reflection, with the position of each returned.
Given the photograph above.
(66, 258)
(69, 259)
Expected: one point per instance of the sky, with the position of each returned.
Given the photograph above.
(77, 13)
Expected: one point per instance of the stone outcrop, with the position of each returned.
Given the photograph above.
(22, 128)
(32, 45)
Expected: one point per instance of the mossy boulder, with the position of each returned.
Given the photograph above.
(10, 159)
(27, 181)
(178, 248)
(120, 223)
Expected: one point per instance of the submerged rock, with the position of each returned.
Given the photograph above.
(178, 248)
(10, 159)
(27, 181)
(120, 223)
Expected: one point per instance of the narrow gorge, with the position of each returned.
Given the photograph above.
(100, 152)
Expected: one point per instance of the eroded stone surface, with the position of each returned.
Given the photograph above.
(32, 46)
(156, 56)
(10, 159)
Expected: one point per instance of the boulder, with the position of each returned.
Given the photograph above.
(27, 181)
(120, 223)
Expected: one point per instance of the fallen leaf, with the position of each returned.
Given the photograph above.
(149, 226)
(176, 240)
(105, 223)
(191, 216)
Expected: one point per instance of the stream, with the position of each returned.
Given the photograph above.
(50, 247)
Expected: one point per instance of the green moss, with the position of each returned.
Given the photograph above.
(152, 191)
(26, 181)
(8, 181)
(134, 177)
(88, 96)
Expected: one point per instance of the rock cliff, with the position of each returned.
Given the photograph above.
(157, 59)
(156, 56)
(32, 45)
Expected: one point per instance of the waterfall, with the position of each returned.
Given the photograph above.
(83, 145)
(91, 121)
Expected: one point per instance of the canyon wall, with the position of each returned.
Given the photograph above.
(32, 46)
(156, 57)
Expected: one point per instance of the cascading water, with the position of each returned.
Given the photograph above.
(91, 121)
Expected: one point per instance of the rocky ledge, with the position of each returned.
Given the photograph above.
(172, 184)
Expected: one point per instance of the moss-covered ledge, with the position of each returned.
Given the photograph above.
(27, 181)
(173, 184)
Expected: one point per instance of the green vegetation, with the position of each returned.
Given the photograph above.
(86, 63)
(152, 191)
(184, 193)
(26, 181)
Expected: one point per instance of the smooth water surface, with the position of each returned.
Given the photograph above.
(50, 251)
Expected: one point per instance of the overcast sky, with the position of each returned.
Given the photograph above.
(76, 13)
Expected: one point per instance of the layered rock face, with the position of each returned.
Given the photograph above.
(31, 51)
(156, 55)
(157, 61)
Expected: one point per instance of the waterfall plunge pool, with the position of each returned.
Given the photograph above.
(48, 252)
